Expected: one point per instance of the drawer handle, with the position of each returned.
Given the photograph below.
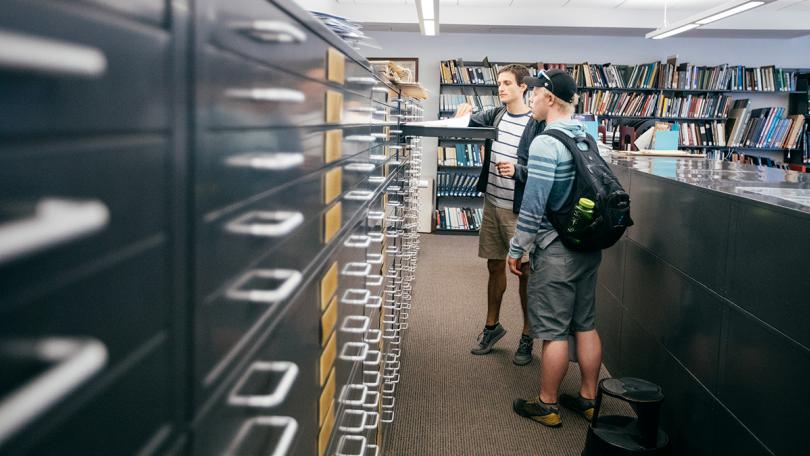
(363, 80)
(379, 135)
(288, 425)
(347, 441)
(54, 222)
(374, 258)
(355, 269)
(19, 52)
(359, 195)
(348, 392)
(376, 237)
(272, 94)
(376, 216)
(378, 157)
(373, 358)
(372, 379)
(290, 280)
(374, 280)
(395, 132)
(388, 401)
(270, 161)
(364, 109)
(355, 296)
(73, 362)
(357, 241)
(354, 351)
(281, 223)
(387, 416)
(376, 179)
(373, 336)
(272, 32)
(360, 138)
(290, 372)
(360, 167)
(380, 89)
(372, 400)
(374, 302)
(372, 450)
(375, 417)
(360, 427)
(355, 324)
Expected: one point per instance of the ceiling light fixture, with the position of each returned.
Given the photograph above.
(705, 17)
(428, 12)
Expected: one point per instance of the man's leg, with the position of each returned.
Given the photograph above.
(553, 368)
(589, 353)
(496, 286)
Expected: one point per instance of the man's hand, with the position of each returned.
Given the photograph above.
(505, 169)
(514, 265)
(463, 109)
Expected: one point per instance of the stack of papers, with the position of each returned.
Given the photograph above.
(349, 31)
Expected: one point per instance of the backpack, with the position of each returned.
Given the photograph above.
(594, 180)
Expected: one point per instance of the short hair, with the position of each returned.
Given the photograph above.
(519, 71)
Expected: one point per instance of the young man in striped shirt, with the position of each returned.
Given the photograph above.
(562, 286)
(502, 180)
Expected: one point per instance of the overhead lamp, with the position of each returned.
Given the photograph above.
(705, 17)
(428, 12)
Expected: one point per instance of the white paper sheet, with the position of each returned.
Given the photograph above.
(454, 122)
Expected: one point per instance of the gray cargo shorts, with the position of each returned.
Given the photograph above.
(562, 291)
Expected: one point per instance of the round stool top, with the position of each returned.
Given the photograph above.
(632, 389)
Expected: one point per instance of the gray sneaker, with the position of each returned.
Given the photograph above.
(523, 355)
(487, 339)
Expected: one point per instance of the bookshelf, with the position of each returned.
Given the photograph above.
(639, 92)
(458, 169)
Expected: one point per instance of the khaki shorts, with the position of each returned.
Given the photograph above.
(497, 228)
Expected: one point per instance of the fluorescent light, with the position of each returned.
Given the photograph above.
(676, 31)
(429, 27)
(428, 10)
(731, 12)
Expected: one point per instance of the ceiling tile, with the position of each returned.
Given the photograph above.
(695, 5)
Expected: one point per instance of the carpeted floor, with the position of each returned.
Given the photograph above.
(450, 402)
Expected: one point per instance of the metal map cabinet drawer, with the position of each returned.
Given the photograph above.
(81, 74)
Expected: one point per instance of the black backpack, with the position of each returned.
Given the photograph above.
(594, 180)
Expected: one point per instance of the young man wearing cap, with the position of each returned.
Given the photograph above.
(503, 177)
(562, 286)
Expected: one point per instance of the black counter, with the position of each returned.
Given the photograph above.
(707, 296)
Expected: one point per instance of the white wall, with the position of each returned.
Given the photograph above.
(574, 49)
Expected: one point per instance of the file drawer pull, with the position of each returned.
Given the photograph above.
(379, 135)
(359, 195)
(376, 215)
(351, 427)
(355, 296)
(372, 400)
(357, 241)
(288, 426)
(356, 269)
(363, 109)
(372, 378)
(347, 394)
(372, 450)
(354, 351)
(360, 167)
(360, 138)
(346, 441)
(389, 388)
(373, 358)
(388, 401)
(374, 302)
(387, 416)
(269, 161)
(355, 324)
(281, 223)
(374, 258)
(362, 80)
(272, 32)
(375, 280)
(289, 373)
(395, 132)
(72, 362)
(19, 52)
(290, 281)
(380, 89)
(376, 237)
(378, 157)
(376, 179)
(375, 417)
(272, 94)
(54, 222)
(373, 336)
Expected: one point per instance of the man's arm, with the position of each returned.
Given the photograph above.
(540, 179)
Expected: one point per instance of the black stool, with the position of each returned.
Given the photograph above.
(623, 435)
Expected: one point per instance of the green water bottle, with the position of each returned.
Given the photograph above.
(582, 216)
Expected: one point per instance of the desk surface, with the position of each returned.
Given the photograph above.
(774, 186)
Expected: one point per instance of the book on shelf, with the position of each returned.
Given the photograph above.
(618, 103)
(454, 183)
(450, 102)
(460, 155)
(694, 106)
(696, 134)
(737, 118)
(768, 128)
(459, 218)
(603, 75)
(457, 72)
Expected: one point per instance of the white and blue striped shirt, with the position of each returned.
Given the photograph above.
(501, 189)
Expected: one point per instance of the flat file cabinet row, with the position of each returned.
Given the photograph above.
(179, 181)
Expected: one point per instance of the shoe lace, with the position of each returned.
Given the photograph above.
(525, 345)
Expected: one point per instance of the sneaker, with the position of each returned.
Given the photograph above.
(535, 409)
(487, 339)
(523, 355)
(578, 404)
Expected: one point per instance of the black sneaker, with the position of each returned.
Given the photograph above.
(523, 355)
(578, 404)
(535, 409)
(487, 339)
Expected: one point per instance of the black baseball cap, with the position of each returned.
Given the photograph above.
(558, 82)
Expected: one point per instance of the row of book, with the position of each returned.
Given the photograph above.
(618, 103)
(765, 128)
(456, 184)
(456, 72)
(449, 102)
(725, 77)
(605, 75)
(460, 155)
(459, 218)
(694, 134)
(694, 106)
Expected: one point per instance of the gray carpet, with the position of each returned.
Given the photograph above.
(450, 402)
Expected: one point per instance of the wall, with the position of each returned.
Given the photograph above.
(572, 49)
